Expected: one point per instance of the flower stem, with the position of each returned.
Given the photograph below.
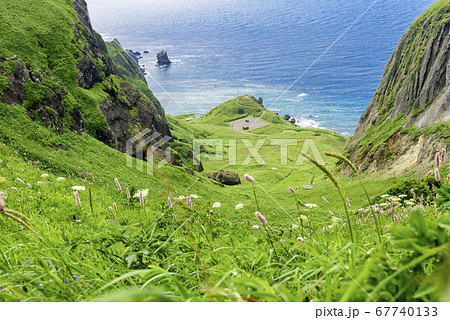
(256, 199)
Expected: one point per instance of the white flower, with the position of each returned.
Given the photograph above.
(304, 218)
(410, 203)
(44, 175)
(78, 188)
(144, 193)
(194, 196)
(39, 182)
(310, 205)
(239, 206)
(216, 205)
(335, 220)
(382, 204)
(402, 196)
(385, 196)
(294, 226)
(181, 197)
(60, 179)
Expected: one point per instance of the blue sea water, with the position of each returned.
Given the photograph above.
(225, 48)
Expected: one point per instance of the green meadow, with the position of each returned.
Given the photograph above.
(71, 232)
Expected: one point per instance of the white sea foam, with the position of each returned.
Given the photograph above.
(307, 123)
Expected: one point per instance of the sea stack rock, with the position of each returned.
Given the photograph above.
(163, 59)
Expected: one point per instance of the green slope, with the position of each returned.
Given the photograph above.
(130, 71)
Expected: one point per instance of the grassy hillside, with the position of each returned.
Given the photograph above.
(120, 250)
(79, 224)
(239, 108)
(130, 70)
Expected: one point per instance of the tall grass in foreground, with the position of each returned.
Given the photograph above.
(352, 166)
(331, 176)
(207, 253)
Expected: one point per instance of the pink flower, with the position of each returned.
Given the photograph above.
(301, 239)
(249, 178)
(281, 240)
(255, 227)
(141, 198)
(115, 207)
(118, 184)
(437, 175)
(77, 199)
(169, 203)
(20, 180)
(292, 190)
(128, 194)
(325, 199)
(331, 213)
(261, 218)
(437, 159)
(2, 203)
(348, 203)
(429, 173)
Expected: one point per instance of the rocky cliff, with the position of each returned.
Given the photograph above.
(57, 67)
(409, 116)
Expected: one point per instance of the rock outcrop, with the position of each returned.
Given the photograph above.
(76, 86)
(163, 59)
(406, 121)
(225, 177)
(122, 98)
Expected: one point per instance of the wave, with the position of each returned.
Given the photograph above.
(308, 123)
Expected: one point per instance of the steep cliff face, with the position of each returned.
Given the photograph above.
(57, 67)
(408, 118)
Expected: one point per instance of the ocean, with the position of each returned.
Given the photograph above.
(318, 61)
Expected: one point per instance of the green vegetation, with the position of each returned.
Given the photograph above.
(239, 108)
(441, 129)
(130, 70)
(79, 223)
(4, 83)
(382, 132)
(207, 252)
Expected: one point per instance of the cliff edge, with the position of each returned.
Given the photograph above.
(408, 119)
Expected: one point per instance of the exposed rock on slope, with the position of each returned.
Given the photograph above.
(58, 68)
(408, 118)
(225, 177)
